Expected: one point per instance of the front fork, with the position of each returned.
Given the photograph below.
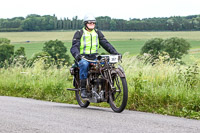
(117, 83)
(110, 79)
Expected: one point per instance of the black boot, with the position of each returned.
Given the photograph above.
(83, 88)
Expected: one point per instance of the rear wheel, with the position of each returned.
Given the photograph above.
(118, 96)
(81, 102)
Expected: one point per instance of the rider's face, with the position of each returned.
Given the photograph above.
(91, 25)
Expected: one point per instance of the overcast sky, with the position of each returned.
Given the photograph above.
(123, 9)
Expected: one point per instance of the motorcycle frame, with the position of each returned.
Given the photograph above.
(105, 71)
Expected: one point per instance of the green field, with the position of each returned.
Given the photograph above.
(130, 42)
(123, 41)
(132, 46)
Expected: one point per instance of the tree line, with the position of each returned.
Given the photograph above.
(34, 22)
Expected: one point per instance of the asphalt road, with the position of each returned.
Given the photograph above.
(21, 115)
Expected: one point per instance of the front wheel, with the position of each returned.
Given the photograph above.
(119, 94)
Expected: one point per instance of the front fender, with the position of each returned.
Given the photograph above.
(119, 72)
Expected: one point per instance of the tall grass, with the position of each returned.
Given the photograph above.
(165, 88)
(37, 82)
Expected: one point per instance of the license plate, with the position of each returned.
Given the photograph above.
(113, 58)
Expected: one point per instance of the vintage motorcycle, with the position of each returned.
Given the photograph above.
(105, 83)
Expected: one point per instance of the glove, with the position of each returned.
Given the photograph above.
(120, 55)
(78, 57)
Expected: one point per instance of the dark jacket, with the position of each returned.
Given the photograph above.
(75, 49)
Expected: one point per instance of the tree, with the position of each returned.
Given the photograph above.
(176, 47)
(57, 51)
(113, 25)
(34, 22)
(6, 52)
(152, 46)
(4, 41)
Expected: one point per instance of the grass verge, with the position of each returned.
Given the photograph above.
(165, 88)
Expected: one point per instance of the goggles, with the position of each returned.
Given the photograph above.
(91, 22)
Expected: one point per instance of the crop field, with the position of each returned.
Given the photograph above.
(18, 37)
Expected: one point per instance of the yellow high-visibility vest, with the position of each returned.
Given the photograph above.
(89, 42)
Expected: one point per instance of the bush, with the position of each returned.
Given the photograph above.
(20, 57)
(41, 56)
(20, 52)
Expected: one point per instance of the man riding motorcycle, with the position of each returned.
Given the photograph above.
(85, 44)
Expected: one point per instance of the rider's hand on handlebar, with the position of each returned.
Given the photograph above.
(120, 55)
(78, 57)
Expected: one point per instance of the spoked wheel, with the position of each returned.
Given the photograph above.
(81, 102)
(119, 94)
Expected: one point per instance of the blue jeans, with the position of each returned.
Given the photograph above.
(84, 66)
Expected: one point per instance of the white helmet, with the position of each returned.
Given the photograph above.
(89, 17)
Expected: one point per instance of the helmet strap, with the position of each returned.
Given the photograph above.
(87, 28)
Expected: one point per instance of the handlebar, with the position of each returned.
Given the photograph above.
(112, 58)
(89, 60)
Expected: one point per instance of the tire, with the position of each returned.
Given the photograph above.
(81, 102)
(118, 100)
